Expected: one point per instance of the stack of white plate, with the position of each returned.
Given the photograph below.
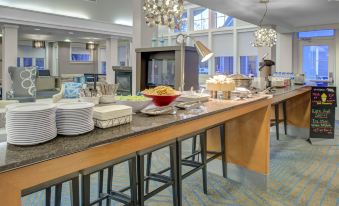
(30, 123)
(74, 118)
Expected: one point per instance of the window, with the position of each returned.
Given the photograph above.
(79, 53)
(249, 65)
(317, 33)
(182, 27)
(28, 62)
(40, 63)
(222, 20)
(103, 67)
(203, 67)
(224, 65)
(200, 18)
(18, 62)
(315, 62)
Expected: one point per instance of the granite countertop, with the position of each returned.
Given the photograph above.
(12, 157)
(285, 90)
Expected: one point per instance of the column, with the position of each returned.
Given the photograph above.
(284, 53)
(142, 36)
(111, 59)
(9, 54)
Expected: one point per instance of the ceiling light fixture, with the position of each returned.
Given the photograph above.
(163, 12)
(71, 33)
(264, 36)
(38, 44)
(91, 45)
(67, 40)
(37, 29)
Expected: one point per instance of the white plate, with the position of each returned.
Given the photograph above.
(10, 141)
(73, 133)
(75, 106)
(30, 134)
(30, 126)
(30, 107)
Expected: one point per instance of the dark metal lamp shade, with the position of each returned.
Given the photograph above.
(204, 52)
(38, 44)
(90, 46)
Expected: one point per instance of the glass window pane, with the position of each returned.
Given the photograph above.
(40, 63)
(317, 33)
(222, 20)
(315, 62)
(249, 65)
(103, 67)
(200, 19)
(224, 65)
(183, 25)
(203, 67)
(18, 62)
(28, 62)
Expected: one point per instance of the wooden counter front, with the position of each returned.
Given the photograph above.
(247, 131)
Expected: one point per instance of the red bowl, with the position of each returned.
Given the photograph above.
(161, 101)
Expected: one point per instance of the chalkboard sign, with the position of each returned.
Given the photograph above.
(324, 96)
(322, 122)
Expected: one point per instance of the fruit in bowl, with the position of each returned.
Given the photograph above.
(136, 102)
(161, 95)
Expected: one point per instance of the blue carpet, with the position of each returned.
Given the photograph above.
(300, 174)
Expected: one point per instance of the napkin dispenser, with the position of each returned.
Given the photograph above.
(112, 115)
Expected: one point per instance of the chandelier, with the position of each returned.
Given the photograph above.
(264, 36)
(163, 12)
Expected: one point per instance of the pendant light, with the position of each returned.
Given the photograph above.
(264, 36)
(90, 46)
(38, 44)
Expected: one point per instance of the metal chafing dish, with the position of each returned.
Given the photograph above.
(241, 80)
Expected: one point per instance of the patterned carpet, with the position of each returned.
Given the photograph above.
(300, 174)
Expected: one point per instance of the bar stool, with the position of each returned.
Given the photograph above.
(110, 194)
(158, 176)
(276, 112)
(74, 185)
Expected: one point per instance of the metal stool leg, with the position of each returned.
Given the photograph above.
(223, 150)
(179, 172)
(194, 146)
(141, 191)
(133, 182)
(276, 109)
(285, 117)
(100, 184)
(75, 192)
(86, 183)
(58, 190)
(174, 175)
(109, 184)
(148, 170)
(203, 143)
(48, 196)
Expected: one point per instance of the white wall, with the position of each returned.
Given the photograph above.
(284, 58)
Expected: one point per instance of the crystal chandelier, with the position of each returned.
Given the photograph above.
(163, 12)
(264, 36)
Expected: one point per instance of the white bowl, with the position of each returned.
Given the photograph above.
(137, 106)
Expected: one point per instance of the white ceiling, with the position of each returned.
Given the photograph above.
(113, 11)
(287, 15)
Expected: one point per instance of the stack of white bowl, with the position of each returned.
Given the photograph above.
(74, 118)
(30, 123)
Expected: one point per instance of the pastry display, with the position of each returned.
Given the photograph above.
(220, 83)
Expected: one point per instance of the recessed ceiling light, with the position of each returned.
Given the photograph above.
(37, 29)
(67, 40)
(0, 35)
(71, 33)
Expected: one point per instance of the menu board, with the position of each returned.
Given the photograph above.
(324, 96)
(324, 101)
(322, 122)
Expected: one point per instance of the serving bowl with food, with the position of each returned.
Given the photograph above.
(136, 102)
(161, 95)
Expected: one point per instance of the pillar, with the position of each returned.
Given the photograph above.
(142, 36)
(9, 54)
(111, 59)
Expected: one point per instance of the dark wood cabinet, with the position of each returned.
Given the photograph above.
(162, 66)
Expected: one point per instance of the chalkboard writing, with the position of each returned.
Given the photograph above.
(324, 96)
(322, 122)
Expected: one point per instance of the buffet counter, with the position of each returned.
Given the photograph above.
(247, 144)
